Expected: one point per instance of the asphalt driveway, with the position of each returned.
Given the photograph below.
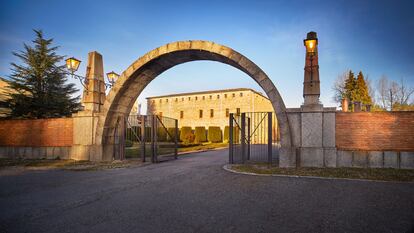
(194, 194)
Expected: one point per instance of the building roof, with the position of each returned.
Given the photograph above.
(207, 92)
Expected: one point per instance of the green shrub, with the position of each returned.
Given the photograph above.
(128, 143)
(189, 138)
(214, 134)
(132, 133)
(200, 134)
(171, 132)
(148, 134)
(235, 134)
(185, 130)
(161, 134)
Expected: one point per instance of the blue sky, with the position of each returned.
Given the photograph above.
(376, 37)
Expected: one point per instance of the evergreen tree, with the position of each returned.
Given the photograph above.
(39, 88)
(361, 88)
(350, 91)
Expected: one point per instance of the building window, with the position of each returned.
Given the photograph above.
(182, 98)
(200, 113)
(196, 98)
(166, 100)
(189, 98)
(218, 96)
(160, 114)
(227, 112)
(234, 95)
(204, 97)
(225, 95)
(211, 112)
(176, 99)
(181, 114)
(211, 97)
(238, 111)
(160, 100)
(241, 94)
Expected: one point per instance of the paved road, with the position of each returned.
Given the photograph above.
(194, 194)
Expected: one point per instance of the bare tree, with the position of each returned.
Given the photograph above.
(392, 93)
(405, 93)
(383, 87)
(371, 89)
(339, 87)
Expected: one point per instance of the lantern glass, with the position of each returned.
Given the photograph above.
(112, 77)
(72, 64)
(310, 45)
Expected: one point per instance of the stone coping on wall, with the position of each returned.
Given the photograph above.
(299, 110)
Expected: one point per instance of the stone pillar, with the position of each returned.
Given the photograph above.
(94, 95)
(311, 84)
(85, 122)
(357, 106)
(344, 105)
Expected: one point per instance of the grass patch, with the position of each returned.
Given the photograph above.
(384, 174)
(67, 164)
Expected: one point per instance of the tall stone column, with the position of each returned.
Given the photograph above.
(85, 122)
(94, 95)
(311, 83)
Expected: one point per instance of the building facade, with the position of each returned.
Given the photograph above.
(208, 108)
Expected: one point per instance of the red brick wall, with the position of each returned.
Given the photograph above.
(380, 131)
(40, 132)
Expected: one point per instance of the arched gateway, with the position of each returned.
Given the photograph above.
(138, 75)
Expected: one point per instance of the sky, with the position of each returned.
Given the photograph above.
(375, 37)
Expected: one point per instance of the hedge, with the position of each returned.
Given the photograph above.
(235, 134)
(200, 134)
(161, 134)
(186, 134)
(214, 134)
(171, 131)
(132, 132)
(128, 143)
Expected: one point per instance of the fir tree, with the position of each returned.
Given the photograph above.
(350, 91)
(361, 88)
(39, 88)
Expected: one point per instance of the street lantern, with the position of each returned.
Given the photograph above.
(112, 77)
(72, 64)
(310, 45)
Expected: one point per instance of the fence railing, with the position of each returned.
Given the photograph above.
(253, 136)
(151, 136)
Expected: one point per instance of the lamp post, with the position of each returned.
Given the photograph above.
(72, 65)
(112, 77)
(311, 88)
(310, 44)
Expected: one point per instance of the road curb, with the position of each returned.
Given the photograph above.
(227, 167)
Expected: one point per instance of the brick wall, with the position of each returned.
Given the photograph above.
(375, 131)
(40, 132)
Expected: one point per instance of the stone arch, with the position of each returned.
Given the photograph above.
(137, 76)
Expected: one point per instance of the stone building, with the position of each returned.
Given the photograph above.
(208, 108)
(4, 92)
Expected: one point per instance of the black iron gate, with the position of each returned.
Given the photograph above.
(253, 136)
(150, 137)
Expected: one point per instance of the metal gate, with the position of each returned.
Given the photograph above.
(150, 137)
(253, 136)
